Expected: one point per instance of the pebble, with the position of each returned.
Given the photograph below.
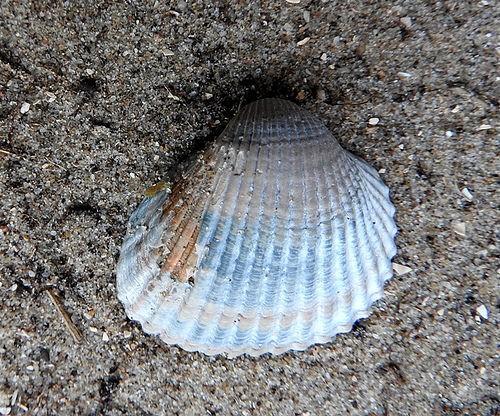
(467, 194)
(31, 273)
(52, 97)
(168, 52)
(459, 228)
(293, 1)
(307, 16)
(401, 269)
(382, 171)
(323, 57)
(482, 311)
(303, 41)
(404, 75)
(5, 410)
(480, 128)
(406, 22)
(373, 121)
(25, 107)
(450, 133)
(401, 146)
(89, 72)
(105, 337)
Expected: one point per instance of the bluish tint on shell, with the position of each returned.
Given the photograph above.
(295, 242)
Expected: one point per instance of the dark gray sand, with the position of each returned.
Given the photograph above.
(118, 94)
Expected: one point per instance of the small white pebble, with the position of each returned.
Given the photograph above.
(450, 133)
(406, 22)
(456, 109)
(13, 288)
(440, 312)
(30, 368)
(93, 329)
(89, 72)
(401, 269)
(382, 171)
(481, 127)
(5, 410)
(459, 228)
(404, 75)
(482, 371)
(168, 52)
(132, 175)
(332, 66)
(467, 194)
(293, 1)
(31, 273)
(482, 311)
(25, 107)
(307, 16)
(373, 121)
(324, 57)
(105, 337)
(127, 334)
(52, 97)
(208, 96)
(401, 146)
(303, 41)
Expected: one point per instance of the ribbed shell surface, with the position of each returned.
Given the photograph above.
(275, 239)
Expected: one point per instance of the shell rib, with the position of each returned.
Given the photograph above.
(276, 238)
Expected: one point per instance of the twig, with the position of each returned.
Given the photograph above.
(72, 328)
(5, 152)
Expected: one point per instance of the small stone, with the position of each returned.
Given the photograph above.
(5, 410)
(293, 1)
(401, 269)
(93, 329)
(382, 171)
(105, 337)
(30, 368)
(373, 121)
(301, 95)
(467, 194)
(456, 109)
(459, 228)
(168, 52)
(440, 312)
(482, 371)
(31, 273)
(404, 75)
(450, 133)
(307, 16)
(401, 146)
(480, 128)
(89, 72)
(303, 41)
(406, 22)
(207, 96)
(127, 334)
(13, 288)
(323, 57)
(132, 175)
(321, 94)
(482, 312)
(52, 97)
(25, 107)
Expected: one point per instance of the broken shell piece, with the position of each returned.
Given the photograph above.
(276, 238)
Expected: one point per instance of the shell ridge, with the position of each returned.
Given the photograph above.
(243, 224)
(212, 287)
(368, 204)
(385, 232)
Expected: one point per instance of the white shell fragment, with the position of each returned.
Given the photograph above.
(275, 239)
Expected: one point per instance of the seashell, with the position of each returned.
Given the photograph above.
(275, 238)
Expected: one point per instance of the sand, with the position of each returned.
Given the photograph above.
(99, 100)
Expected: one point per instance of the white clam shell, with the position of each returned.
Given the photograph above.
(275, 239)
